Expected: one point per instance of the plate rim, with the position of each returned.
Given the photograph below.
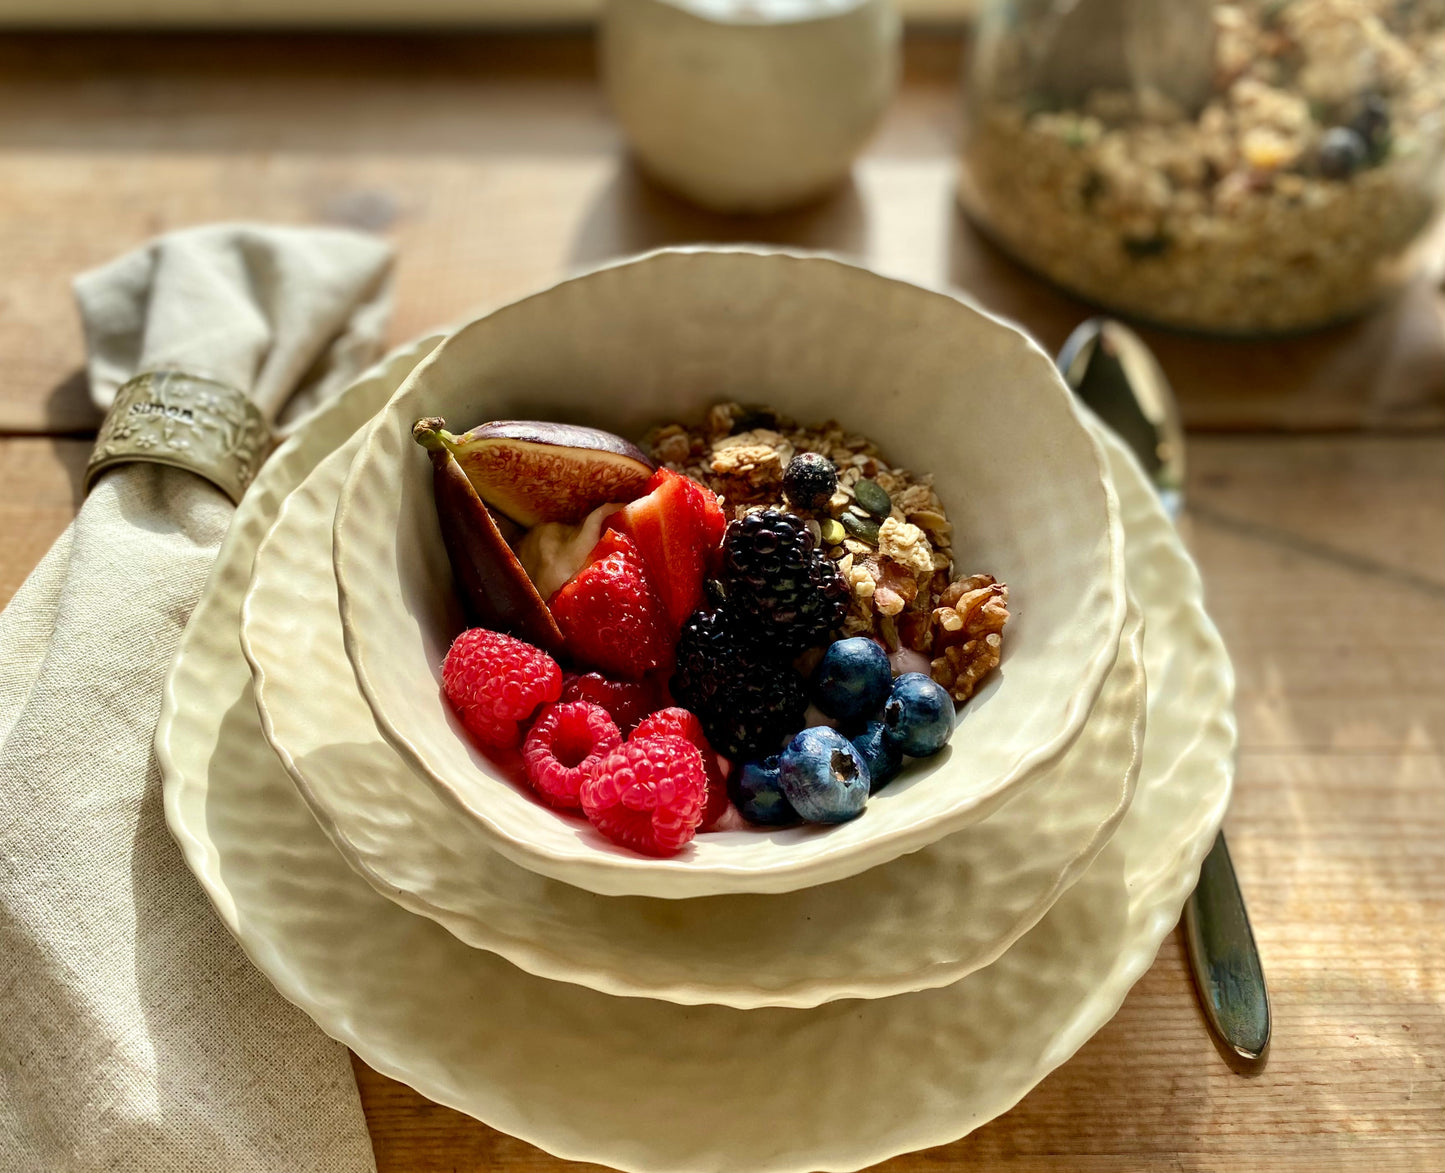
(1159, 898)
(535, 957)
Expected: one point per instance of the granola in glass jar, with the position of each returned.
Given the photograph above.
(1298, 192)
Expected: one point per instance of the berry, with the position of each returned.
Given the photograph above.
(918, 715)
(565, 742)
(628, 701)
(678, 722)
(747, 696)
(809, 480)
(610, 616)
(852, 680)
(647, 795)
(1372, 123)
(676, 526)
(1342, 152)
(823, 776)
(495, 681)
(789, 593)
(883, 758)
(758, 794)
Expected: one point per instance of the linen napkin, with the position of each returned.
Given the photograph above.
(134, 1034)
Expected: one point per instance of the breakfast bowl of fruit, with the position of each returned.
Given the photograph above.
(724, 571)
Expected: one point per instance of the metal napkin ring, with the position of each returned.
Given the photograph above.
(186, 421)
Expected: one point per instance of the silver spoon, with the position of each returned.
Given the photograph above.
(1116, 375)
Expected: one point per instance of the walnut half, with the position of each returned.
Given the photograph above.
(968, 633)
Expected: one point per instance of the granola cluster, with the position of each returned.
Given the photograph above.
(885, 528)
(1297, 195)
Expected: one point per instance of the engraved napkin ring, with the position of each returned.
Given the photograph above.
(186, 421)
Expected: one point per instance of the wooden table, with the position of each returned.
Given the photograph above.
(493, 166)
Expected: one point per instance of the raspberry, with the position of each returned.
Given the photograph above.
(627, 700)
(648, 795)
(566, 741)
(610, 614)
(495, 681)
(678, 722)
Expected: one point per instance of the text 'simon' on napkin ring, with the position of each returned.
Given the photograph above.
(186, 421)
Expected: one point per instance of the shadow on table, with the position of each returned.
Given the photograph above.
(70, 421)
(633, 214)
(1385, 369)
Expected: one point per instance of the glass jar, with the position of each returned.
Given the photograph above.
(1261, 166)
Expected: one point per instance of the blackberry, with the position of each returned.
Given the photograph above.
(791, 596)
(810, 479)
(747, 697)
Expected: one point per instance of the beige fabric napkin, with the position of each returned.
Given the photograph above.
(134, 1034)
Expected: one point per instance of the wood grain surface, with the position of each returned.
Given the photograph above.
(493, 166)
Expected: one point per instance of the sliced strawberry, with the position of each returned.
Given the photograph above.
(610, 615)
(677, 527)
(714, 520)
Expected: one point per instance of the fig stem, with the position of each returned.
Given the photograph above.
(430, 433)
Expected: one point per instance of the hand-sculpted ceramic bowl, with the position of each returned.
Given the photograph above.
(940, 386)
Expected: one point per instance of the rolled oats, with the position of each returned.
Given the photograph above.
(906, 544)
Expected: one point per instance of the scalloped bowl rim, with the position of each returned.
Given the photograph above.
(613, 871)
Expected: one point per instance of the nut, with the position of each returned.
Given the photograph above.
(967, 632)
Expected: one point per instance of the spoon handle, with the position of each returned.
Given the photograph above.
(1224, 959)
(1113, 371)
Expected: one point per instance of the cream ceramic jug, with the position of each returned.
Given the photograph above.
(749, 106)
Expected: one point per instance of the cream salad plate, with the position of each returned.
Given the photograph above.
(643, 1084)
(923, 920)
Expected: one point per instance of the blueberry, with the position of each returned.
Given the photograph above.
(852, 680)
(1343, 151)
(879, 754)
(810, 479)
(755, 792)
(823, 776)
(918, 715)
(1372, 123)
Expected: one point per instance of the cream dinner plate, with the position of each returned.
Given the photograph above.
(920, 921)
(646, 1085)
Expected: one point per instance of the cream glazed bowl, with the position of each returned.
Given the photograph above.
(939, 385)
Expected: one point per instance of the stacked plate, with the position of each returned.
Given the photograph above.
(809, 998)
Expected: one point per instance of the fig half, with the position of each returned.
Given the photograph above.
(495, 590)
(534, 471)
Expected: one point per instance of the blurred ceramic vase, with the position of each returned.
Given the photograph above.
(749, 106)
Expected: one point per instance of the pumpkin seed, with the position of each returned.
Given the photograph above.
(873, 497)
(865, 529)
